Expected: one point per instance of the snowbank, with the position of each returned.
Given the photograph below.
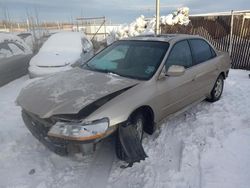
(147, 26)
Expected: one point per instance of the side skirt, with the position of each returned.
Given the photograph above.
(183, 110)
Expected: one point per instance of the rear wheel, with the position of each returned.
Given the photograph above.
(138, 121)
(217, 90)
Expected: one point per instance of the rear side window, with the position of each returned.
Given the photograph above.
(180, 55)
(16, 50)
(201, 50)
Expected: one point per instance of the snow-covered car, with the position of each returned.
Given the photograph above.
(127, 89)
(14, 58)
(60, 52)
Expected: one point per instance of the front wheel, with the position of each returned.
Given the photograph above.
(217, 90)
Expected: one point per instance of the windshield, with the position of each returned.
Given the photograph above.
(133, 59)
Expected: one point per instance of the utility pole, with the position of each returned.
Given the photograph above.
(157, 25)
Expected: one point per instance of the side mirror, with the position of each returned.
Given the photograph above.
(175, 70)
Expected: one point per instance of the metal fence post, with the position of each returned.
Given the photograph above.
(157, 25)
(231, 33)
(105, 30)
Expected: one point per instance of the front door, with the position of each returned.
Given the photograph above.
(177, 92)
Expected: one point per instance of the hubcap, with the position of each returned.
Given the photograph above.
(218, 88)
(139, 128)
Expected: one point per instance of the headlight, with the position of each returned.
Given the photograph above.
(80, 131)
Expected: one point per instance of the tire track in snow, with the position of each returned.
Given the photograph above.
(100, 168)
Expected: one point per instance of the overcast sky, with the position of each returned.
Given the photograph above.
(119, 11)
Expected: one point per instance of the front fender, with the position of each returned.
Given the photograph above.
(121, 107)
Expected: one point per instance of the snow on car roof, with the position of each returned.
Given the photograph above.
(13, 38)
(6, 36)
(64, 41)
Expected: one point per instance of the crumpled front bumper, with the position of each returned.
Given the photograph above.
(39, 131)
(58, 144)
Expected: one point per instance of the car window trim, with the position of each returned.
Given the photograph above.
(193, 64)
(212, 51)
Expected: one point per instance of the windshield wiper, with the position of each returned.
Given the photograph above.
(109, 72)
(113, 72)
(98, 70)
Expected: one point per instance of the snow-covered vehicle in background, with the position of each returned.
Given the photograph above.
(14, 57)
(60, 52)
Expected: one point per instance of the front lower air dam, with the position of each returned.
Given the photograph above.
(80, 131)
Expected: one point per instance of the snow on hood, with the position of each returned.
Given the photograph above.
(69, 92)
(53, 59)
(147, 26)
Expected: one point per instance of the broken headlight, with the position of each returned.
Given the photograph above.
(80, 131)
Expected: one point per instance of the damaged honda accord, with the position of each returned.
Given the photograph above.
(126, 89)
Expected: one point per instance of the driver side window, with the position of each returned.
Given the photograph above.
(180, 55)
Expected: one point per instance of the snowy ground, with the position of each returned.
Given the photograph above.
(207, 146)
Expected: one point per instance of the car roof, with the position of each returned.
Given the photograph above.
(170, 38)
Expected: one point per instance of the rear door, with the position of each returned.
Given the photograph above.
(177, 92)
(13, 62)
(19, 60)
(5, 55)
(205, 66)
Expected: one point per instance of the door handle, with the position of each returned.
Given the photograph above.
(201, 74)
(198, 75)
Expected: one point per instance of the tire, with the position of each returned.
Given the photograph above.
(217, 90)
(120, 153)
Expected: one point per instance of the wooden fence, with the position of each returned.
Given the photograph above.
(217, 29)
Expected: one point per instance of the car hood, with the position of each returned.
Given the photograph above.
(54, 59)
(69, 92)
